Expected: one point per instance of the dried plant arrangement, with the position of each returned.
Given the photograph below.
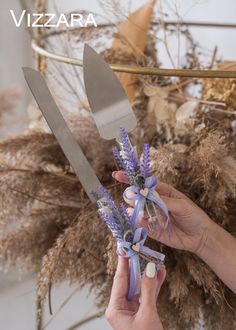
(46, 221)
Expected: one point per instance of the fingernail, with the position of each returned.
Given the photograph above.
(151, 270)
(121, 252)
(113, 174)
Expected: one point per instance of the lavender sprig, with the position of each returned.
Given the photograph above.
(127, 217)
(117, 219)
(145, 166)
(131, 158)
(126, 158)
(115, 227)
(123, 164)
(109, 200)
(119, 159)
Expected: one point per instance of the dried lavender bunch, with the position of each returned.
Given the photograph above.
(127, 158)
(117, 219)
(129, 239)
(136, 170)
(143, 185)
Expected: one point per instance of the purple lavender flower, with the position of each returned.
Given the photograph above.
(128, 150)
(115, 228)
(117, 219)
(109, 200)
(119, 159)
(126, 216)
(145, 164)
(126, 158)
(123, 164)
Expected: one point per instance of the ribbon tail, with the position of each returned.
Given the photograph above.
(138, 279)
(149, 252)
(137, 209)
(135, 277)
(156, 200)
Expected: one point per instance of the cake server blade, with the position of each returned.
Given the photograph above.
(108, 101)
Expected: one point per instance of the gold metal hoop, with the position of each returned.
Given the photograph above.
(137, 69)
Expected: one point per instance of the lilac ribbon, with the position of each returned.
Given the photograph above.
(140, 199)
(140, 236)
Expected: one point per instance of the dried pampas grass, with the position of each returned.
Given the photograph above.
(222, 90)
(37, 149)
(200, 171)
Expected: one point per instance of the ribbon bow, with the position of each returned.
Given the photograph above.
(133, 250)
(147, 192)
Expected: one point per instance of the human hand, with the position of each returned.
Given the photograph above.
(137, 314)
(189, 224)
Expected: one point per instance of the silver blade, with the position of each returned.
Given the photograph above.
(108, 101)
(62, 132)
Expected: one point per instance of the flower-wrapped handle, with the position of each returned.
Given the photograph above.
(143, 184)
(144, 196)
(130, 239)
(136, 250)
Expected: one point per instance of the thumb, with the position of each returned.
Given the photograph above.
(176, 206)
(150, 287)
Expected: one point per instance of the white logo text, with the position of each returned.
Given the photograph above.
(52, 20)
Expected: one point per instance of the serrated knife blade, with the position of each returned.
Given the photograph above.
(60, 129)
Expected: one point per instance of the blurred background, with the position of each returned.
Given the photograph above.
(17, 289)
